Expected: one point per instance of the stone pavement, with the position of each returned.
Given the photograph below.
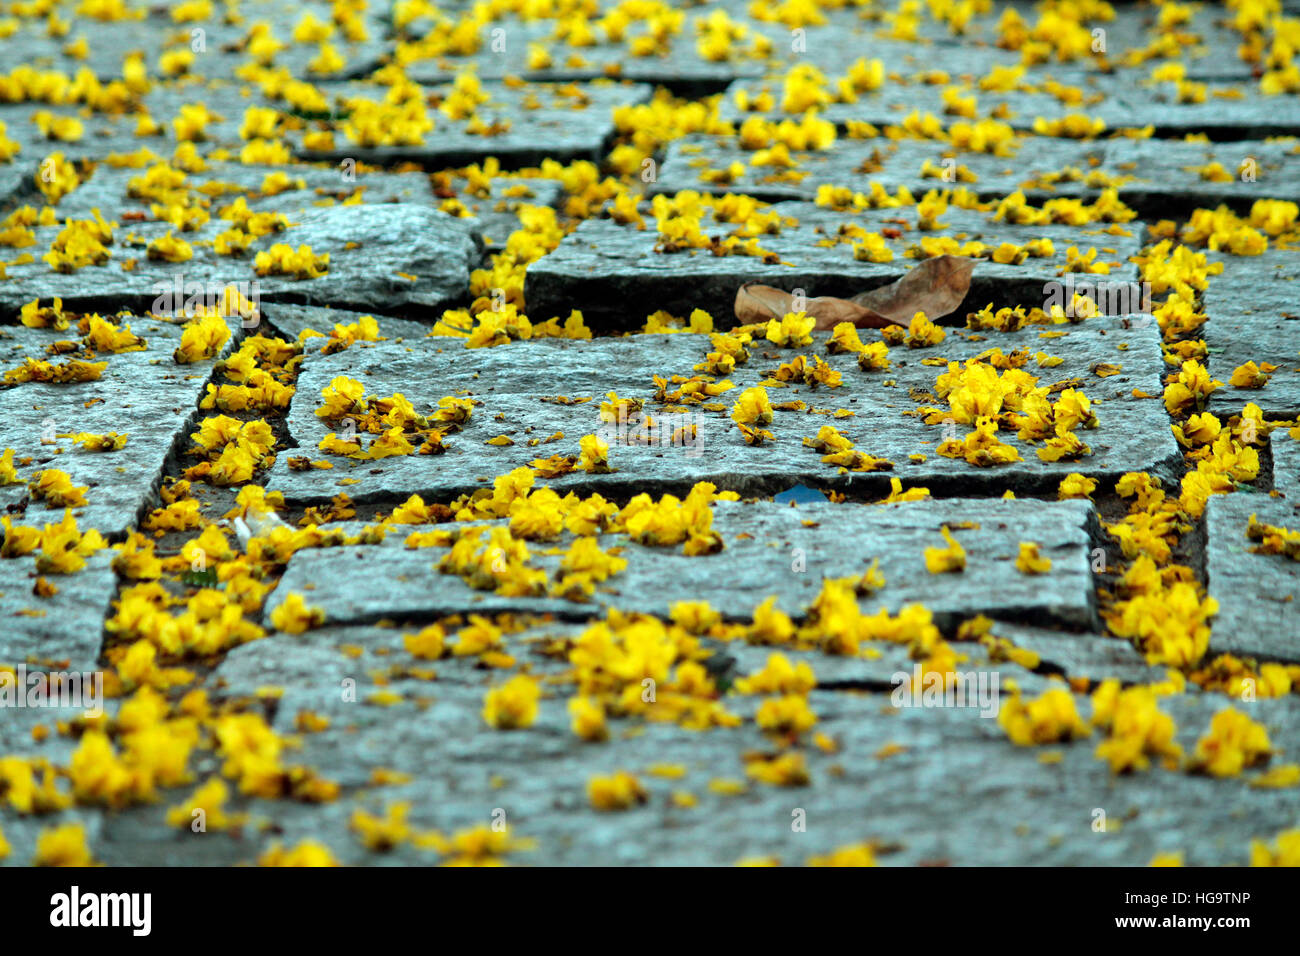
(388, 480)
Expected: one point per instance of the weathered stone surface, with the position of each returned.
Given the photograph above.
(1133, 434)
(1286, 463)
(1253, 317)
(290, 321)
(310, 188)
(986, 802)
(839, 543)
(211, 39)
(1156, 178)
(1094, 656)
(560, 122)
(46, 632)
(603, 266)
(369, 248)
(144, 395)
(1257, 593)
(1120, 102)
(497, 212)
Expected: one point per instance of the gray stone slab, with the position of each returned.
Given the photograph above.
(1253, 317)
(291, 320)
(108, 190)
(893, 102)
(45, 632)
(215, 57)
(144, 395)
(1156, 178)
(498, 212)
(603, 266)
(1094, 656)
(1286, 463)
(1257, 593)
(1230, 111)
(987, 802)
(369, 247)
(564, 123)
(1133, 434)
(757, 567)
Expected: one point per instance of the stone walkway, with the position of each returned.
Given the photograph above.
(379, 439)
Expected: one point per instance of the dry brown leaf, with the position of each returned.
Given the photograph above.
(760, 303)
(936, 287)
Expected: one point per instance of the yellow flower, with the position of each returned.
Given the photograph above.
(617, 792)
(1251, 375)
(753, 407)
(512, 705)
(792, 330)
(282, 259)
(295, 616)
(595, 454)
(1137, 728)
(1284, 852)
(859, 855)
(306, 853)
(787, 770)
(943, 560)
(588, 718)
(1233, 742)
(202, 339)
(922, 333)
(785, 715)
(55, 488)
(1075, 485)
(1051, 718)
(170, 249)
(63, 846)
(1030, 561)
(778, 676)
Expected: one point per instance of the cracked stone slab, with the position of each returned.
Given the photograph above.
(1253, 317)
(893, 102)
(505, 42)
(1133, 433)
(1286, 463)
(987, 802)
(144, 395)
(841, 541)
(386, 257)
(498, 211)
(215, 56)
(64, 631)
(546, 121)
(602, 266)
(106, 134)
(1259, 615)
(310, 187)
(1156, 178)
(1077, 654)
(291, 321)
(1230, 110)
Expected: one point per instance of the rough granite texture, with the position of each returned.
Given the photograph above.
(1133, 433)
(143, 394)
(405, 226)
(370, 247)
(1257, 593)
(602, 266)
